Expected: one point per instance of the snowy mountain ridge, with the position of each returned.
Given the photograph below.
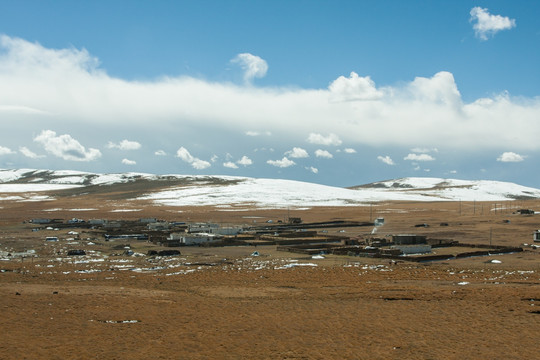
(224, 191)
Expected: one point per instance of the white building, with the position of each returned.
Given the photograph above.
(194, 239)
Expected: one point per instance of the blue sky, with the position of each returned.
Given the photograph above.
(332, 92)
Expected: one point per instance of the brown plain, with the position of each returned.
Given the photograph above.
(227, 308)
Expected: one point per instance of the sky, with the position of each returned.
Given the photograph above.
(339, 92)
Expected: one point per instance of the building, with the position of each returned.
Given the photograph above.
(194, 239)
(208, 228)
(408, 239)
(158, 226)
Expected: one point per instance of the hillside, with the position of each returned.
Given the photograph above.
(226, 191)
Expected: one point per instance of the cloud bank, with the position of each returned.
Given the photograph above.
(67, 88)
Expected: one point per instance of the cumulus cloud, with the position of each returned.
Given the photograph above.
(349, 151)
(283, 163)
(200, 164)
(160, 153)
(486, 24)
(65, 147)
(6, 151)
(354, 88)
(29, 153)
(318, 139)
(245, 161)
(510, 157)
(124, 145)
(313, 169)
(297, 153)
(183, 154)
(230, 165)
(419, 157)
(440, 89)
(323, 154)
(386, 159)
(128, 162)
(253, 66)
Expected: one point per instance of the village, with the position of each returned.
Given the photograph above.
(339, 238)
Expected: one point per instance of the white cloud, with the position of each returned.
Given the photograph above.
(230, 165)
(424, 150)
(297, 153)
(283, 163)
(486, 24)
(124, 145)
(323, 154)
(196, 163)
(441, 89)
(350, 151)
(200, 164)
(128, 162)
(29, 153)
(245, 161)
(386, 159)
(6, 151)
(70, 84)
(184, 155)
(318, 139)
(214, 158)
(257, 133)
(253, 66)
(313, 169)
(419, 157)
(160, 153)
(66, 147)
(510, 157)
(354, 88)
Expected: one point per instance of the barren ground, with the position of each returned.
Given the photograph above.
(224, 303)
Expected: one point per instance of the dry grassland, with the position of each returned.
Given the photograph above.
(223, 303)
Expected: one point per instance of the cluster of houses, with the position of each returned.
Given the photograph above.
(160, 232)
(293, 236)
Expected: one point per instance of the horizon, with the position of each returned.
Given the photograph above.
(341, 94)
(415, 181)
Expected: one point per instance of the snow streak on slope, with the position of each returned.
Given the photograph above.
(286, 193)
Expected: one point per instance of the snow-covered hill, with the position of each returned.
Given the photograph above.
(230, 191)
